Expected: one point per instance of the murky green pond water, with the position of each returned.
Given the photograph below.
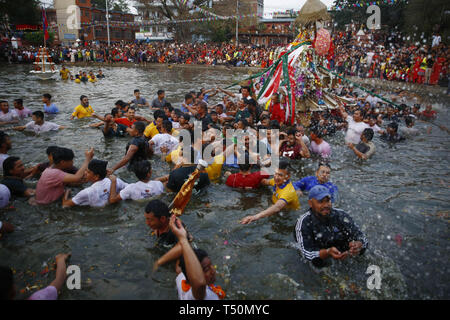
(400, 198)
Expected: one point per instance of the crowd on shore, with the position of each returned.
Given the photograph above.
(388, 56)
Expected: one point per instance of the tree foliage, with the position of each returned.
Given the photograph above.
(113, 5)
(20, 11)
(392, 15)
(37, 38)
(427, 16)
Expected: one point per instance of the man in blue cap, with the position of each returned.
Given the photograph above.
(324, 232)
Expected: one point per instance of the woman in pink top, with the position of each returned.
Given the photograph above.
(50, 186)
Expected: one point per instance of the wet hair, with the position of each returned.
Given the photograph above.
(8, 165)
(3, 136)
(201, 254)
(409, 120)
(140, 127)
(284, 165)
(6, 282)
(250, 102)
(19, 101)
(38, 114)
(114, 111)
(62, 154)
(51, 150)
(158, 208)
(291, 132)
(274, 124)
(178, 112)
(120, 103)
(244, 122)
(82, 97)
(98, 167)
(324, 164)
(160, 92)
(368, 134)
(159, 114)
(203, 105)
(47, 96)
(186, 116)
(318, 133)
(141, 169)
(167, 125)
(393, 125)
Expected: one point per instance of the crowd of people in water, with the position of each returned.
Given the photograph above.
(388, 56)
(159, 139)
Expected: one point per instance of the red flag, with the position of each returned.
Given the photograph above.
(45, 25)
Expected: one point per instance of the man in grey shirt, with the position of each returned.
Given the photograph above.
(160, 101)
(139, 102)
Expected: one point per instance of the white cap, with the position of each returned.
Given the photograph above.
(5, 195)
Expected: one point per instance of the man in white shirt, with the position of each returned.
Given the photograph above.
(7, 116)
(164, 142)
(196, 273)
(39, 125)
(436, 40)
(97, 195)
(355, 126)
(143, 189)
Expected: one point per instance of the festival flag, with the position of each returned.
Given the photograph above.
(45, 25)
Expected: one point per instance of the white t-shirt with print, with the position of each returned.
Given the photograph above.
(141, 190)
(97, 195)
(45, 127)
(210, 295)
(164, 140)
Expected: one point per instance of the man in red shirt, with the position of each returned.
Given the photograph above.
(244, 178)
(130, 118)
(276, 111)
(293, 147)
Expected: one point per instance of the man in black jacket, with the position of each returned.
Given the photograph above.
(325, 232)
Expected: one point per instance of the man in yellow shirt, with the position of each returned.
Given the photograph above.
(64, 73)
(284, 195)
(153, 128)
(83, 110)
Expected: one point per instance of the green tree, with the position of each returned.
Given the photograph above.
(37, 38)
(114, 5)
(427, 16)
(20, 11)
(392, 15)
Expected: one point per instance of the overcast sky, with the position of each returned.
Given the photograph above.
(269, 5)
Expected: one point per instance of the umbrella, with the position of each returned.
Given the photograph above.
(312, 10)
